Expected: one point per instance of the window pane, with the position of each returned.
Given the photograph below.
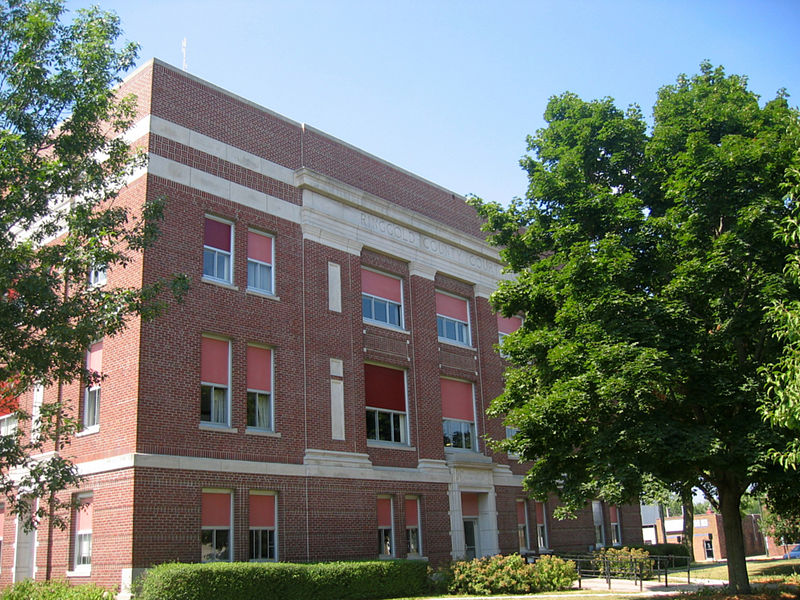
(263, 411)
(366, 306)
(394, 314)
(220, 408)
(396, 430)
(371, 430)
(208, 262)
(440, 326)
(384, 426)
(221, 544)
(205, 403)
(380, 311)
(412, 535)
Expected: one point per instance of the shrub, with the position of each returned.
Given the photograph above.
(493, 575)
(285, 581)
(54, 590)
(552, 573)
(511, 575)
(623, 562)
(663, 549)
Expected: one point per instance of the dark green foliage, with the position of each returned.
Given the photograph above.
(510, 575)
(662, 549)
(285, 581)
(54, 590)
(643, 265)
(62, 165)
(626, 563)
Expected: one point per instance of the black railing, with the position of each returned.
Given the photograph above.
(591, 566)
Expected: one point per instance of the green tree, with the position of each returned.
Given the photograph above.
(62, 164)
(785, 530)
(643, 263)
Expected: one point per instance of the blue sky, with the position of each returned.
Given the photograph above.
(449, 89)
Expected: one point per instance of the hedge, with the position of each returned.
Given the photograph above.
(662, 549)
(54, 590)
(285, 581)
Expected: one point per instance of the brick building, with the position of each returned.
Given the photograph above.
(293, 407)
(709, 536)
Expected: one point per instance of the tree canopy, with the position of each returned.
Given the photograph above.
(62, 164)
(643, 262)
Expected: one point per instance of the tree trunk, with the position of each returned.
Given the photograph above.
(729, 504)
(687, 508)
(663, 524)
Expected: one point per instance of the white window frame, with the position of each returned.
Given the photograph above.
(8, 424)
(416, 529)
(461, 327)
(214, 531)
(383, 531)
(91, 401)
(258, 263)
(375, 413)
(97, 277)
(216, 386)
(82, 543)
(217, 253)
(541, 530)
(273, 534)
(523, 529)
(461, 427)
(372, 298)
(253, 396)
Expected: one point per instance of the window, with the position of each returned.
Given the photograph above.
(470, 510)
(385, 529)
(412, 526)
(8, 424)
(259, 262)
(522, 525)
(262, 526)
(510, 433)
(259, 388)
(214, 376)
(541, 526)
(385, 392)
(215, 537)
(97, 276)
(382, 298)
(217, 250)
(452, 319)
(83, 533)
(91, 402)
(36, 412)
(599, 529)
(458, 412)
(506, 326)
(616, 530)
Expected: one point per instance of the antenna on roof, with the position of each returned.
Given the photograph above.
(183, 50)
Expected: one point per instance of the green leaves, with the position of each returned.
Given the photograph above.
(643, 264)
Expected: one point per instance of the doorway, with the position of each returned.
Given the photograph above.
(471, 549)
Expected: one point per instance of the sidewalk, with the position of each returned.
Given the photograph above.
(677, 583)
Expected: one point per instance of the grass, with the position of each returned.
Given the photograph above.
(758, 570)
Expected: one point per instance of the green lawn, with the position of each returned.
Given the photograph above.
(757, 569)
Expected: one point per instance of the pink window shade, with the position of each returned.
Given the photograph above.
(262, 510)
(217, 235)
(381, 285)
(259, 369)
(612, 514)
(521, 520)
(508, 325)
(540, 512)
(457, 400)
(94, 362)
(448, 306)
(216, 509)
(385, 388)
(384, 512)
(259, 247)
(412, 513)
(214, 361)
(83, 515)
(469, 504)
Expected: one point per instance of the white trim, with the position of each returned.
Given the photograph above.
(317, 463)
